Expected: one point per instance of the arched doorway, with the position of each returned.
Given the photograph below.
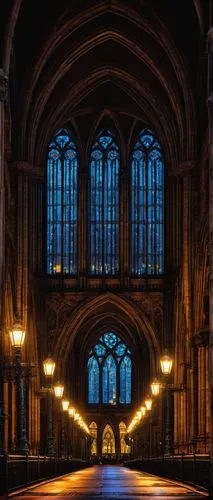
(108, 443)
(125, 448)
(93, 431)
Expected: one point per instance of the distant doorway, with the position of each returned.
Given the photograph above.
(108, 443)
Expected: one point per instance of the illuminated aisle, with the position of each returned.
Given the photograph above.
(111, 482)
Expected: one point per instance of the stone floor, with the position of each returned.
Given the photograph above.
(107, 482)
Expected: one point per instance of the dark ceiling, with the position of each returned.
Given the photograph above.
(135, 62)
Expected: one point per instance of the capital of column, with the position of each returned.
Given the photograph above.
(26, 168)
(3, 86)
(201, 338)
(185, 167)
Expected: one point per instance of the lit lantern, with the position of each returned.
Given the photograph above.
(155, 387)
(59, 390)
(65, 405)
(17, 337)
(71, 412)
(49, 367)
(143, 411)
(148, 404)
(166, 364)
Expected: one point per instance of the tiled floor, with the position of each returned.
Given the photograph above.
(107, 482)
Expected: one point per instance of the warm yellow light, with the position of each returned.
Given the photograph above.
(76, 416)
(59, 390)
(155, 387)
(71, 412)
(17, 337)
(139, 415)
(57, 268)
(148, 404)
(143, 411)
(166, 364)
(49, 367)
(65, 405)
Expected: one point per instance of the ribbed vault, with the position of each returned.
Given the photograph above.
(82, 49)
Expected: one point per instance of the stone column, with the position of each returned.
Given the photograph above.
(3, 101)
(210, 108)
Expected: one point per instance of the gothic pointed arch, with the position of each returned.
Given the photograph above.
(147, 205)
(109, 371)
(103, 207)
(108, 441)
(62, 193)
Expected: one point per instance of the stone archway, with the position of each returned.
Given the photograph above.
(108, 442)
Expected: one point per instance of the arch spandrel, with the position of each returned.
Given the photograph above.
(138, 319)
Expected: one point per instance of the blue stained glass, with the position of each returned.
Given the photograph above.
(147, 206)
(110, 339)
(62, 188)
(125, 380)
(100, 350)
(93, 380)
(104, 206)
(110, 360)
(109, 388)
(105, 140)
(120, 350)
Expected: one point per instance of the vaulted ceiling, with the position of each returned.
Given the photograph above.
(135, 62)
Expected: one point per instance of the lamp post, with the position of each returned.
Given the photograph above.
(166, 368)
(65, 407)
(148, 405)
(17, 337)
(49, 368)
(166, 364)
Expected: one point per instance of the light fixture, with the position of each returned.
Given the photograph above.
(155, 387)
(58, 390)
(148, 404)
(143, 411)
(166, 364)
(49, 366)
(17, 336)
(65, 405)
(71, 412)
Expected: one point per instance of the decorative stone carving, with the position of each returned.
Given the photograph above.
(3, 86)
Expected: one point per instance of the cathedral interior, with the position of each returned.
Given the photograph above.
(106, 112)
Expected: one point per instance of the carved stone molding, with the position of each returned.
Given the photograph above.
(201, 338)
(3, 86)
(185, 167)
(28, 169)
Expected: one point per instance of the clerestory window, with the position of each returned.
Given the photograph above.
(62, 188)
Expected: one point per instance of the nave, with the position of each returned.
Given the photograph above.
(108, 481)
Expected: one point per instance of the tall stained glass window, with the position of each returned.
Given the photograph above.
(110, 371)
(147, 206)
(62, 188)
(104, 205)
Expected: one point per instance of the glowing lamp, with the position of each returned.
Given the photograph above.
(49, 367)
(71, 412)
(17, 337)
(58, 390)
(155, 387)
(148, 404)
(139, 415)
(166, 364)
(65, 405)
(143, 411)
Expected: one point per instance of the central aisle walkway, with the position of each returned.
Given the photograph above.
(106, 482)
